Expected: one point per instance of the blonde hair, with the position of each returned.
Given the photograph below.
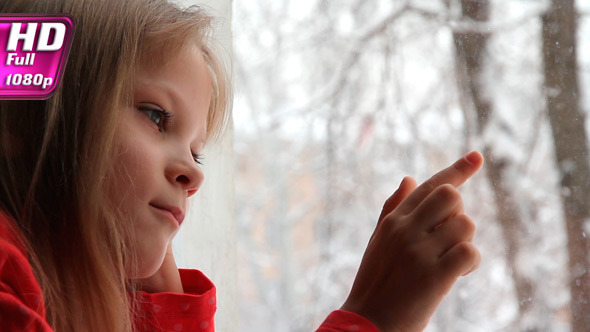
(52, 180)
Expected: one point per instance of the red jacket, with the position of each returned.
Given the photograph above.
(22, 307)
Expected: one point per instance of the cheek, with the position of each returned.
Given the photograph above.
(133, 169)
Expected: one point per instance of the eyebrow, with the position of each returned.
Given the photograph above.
(162, 89)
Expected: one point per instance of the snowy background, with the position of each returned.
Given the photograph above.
(336, 101)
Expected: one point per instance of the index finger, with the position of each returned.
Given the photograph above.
(456, 175)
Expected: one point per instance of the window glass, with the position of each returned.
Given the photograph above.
(336, 101)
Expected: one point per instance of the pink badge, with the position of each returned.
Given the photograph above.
(34, 50)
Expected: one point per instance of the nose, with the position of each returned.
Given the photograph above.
(186, 174)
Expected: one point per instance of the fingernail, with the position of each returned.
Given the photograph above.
(472, 157)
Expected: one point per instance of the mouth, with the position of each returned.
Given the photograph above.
(172, 211)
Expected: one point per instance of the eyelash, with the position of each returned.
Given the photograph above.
(198, 158)
(162, 116)
(162, 121)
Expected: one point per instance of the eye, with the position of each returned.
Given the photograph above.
(157, 116)
(198, 158)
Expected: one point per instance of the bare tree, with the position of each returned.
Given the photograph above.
(571, 148)
(371, 103)
(470, 59)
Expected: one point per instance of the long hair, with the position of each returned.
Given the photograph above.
(54, 154)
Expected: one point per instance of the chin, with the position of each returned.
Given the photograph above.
(146, 268)
(148, 271)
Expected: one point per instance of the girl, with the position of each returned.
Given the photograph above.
(95, 183)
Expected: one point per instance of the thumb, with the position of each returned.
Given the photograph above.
(406, 187)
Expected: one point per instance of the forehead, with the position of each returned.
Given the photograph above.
(188, 66)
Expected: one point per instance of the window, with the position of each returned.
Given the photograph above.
(337, 100)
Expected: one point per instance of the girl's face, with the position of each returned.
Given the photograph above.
(158, 142)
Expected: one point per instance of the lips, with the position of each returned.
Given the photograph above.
(174, 211)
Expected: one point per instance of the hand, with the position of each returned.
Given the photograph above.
(421, 245)
(166, 279)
